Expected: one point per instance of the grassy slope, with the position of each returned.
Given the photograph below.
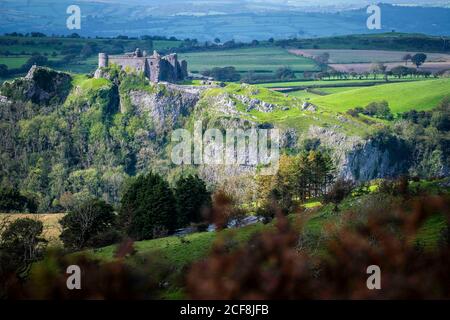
(198, 245)
(293, 116)
(180, 253)
(422, 95)
(332, 82)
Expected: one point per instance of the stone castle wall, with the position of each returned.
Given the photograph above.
(155, 67)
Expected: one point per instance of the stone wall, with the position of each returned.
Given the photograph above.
(155, 67)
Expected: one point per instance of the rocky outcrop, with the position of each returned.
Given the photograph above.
(255, 104)
(358, 159)
(165, 104)
(41, 86)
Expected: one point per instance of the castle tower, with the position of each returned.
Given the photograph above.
(173, 60)
(138, 53)
(184, 69)
(103, 60)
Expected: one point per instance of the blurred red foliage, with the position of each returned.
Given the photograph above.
(272, 266)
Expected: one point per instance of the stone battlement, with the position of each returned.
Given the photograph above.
(155, 67)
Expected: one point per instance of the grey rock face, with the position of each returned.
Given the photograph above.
(165, 105)
(42, 85)
(357, 159)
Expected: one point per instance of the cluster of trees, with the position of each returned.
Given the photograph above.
(285, 73)
(426, 136)
(418, 59)
(379, 110)
(392, 41)
(228, 74)
(301, 177)
(281, 74)
(149, 209)
(11, 200)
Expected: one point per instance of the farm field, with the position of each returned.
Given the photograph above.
(366, 56)
(15, 51)
(307, 94)
(423, 95)
(52, 228)
(366, 67)
(260, 60)
(13, 62)
(331, 83)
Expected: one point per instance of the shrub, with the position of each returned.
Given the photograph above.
(271, 266)
(338, 192)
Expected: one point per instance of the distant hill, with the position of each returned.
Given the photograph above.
(263, 22)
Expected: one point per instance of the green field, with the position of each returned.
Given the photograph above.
(332, 83)
(367, 56)
(15, 51)
(306, 94)
(13, 62)
(422, 95)
(260, 60)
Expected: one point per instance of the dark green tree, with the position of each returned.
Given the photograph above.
(191, 197)
(11, 200)
(285, 73)
(21, 241)
(86, 225)
(148, 208)
(419, 59)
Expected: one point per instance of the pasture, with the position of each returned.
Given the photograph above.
(402, 97)
(52, 228)
(258, 59)
(366, 56)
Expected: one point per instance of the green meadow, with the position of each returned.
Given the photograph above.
(259, 59)
(402, 97)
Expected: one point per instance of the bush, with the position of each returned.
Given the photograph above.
(396, 187)
(378, 109)
(338, 192)
(89, 225)
(148, 206)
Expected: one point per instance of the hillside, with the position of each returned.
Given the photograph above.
(82, 136)
(318, 219)
(226, 20)
(423, 95)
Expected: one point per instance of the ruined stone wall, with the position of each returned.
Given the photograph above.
(138, 64)
(155, 67)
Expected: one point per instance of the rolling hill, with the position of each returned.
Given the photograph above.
(421, 95)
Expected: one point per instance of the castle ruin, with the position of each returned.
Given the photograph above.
(155, 67)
